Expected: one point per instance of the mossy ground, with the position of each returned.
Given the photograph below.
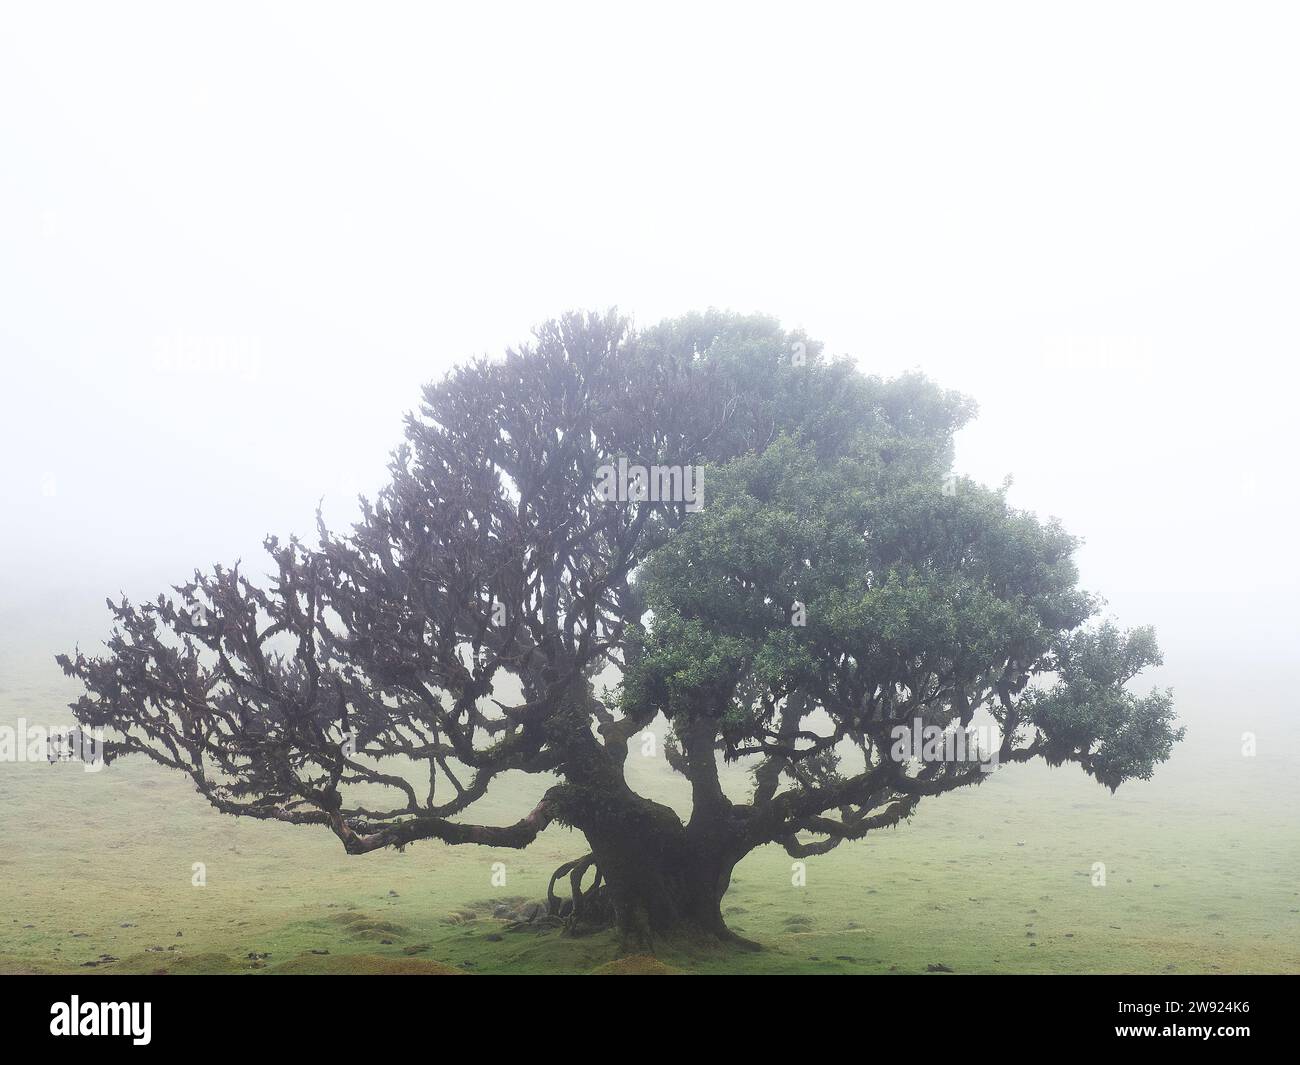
(1202, 875)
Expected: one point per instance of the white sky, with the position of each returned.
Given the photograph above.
(234, 241)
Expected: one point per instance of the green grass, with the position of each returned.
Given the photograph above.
(1202, 868)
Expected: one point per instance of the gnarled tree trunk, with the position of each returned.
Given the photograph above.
(656, 881)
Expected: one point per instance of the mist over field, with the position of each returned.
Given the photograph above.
(235, 246)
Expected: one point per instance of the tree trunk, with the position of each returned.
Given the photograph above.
(662, 885)
(662, 880)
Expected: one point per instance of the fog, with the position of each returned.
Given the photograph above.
(234, 244)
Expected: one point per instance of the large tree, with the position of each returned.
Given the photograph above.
(832, 584)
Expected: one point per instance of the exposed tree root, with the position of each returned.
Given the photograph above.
(584, 911)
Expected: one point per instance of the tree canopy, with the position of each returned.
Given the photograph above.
(834, 583)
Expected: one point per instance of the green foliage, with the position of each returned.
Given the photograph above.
(862, 587)
(1091, 717)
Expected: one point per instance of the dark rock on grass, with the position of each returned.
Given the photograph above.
(938, 967)
(544, 923)
(103, 959)
(494, 937)
(320, 951)
(536, 916)
(255, 955)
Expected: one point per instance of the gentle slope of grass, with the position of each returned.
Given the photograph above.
(1202, 874)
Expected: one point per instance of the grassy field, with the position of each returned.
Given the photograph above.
(1202, 870)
